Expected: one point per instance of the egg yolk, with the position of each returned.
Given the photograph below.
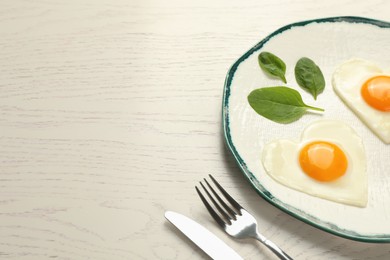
(376, 92)
(323, 161)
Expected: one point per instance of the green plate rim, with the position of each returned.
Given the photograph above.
(298, 214)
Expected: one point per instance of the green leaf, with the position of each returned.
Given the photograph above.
(272, 65)
(279, 104)
(309, 76)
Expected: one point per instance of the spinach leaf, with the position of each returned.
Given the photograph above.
(279, 104)
(272, 65)
(309, 76)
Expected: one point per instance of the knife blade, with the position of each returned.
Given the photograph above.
(202, 237)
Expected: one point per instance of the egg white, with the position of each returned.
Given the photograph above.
(280, 161)
(347, 81)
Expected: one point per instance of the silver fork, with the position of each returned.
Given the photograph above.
(234, 219)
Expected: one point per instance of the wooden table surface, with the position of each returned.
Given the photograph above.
(110, 113)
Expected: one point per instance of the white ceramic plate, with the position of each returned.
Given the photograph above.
(329, 42)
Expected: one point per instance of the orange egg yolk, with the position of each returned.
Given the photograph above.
(323, 161)
(376, 92)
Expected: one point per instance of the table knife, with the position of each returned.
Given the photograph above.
(202, 237)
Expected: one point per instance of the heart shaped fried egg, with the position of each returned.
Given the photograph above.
(365, 89)
(327, 162)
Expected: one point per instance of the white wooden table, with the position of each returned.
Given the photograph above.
(110, 113)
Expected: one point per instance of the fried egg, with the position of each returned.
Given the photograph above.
(327, 162)
(365, 89)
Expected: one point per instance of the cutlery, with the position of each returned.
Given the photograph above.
(234, 219)
(202, 237)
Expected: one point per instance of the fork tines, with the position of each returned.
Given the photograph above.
(226, 212)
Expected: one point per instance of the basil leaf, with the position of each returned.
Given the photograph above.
(279, 104)
(309, 76)
(272, 65)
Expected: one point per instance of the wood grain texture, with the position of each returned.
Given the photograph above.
(110, 113)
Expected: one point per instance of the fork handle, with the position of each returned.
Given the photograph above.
(274, 248)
